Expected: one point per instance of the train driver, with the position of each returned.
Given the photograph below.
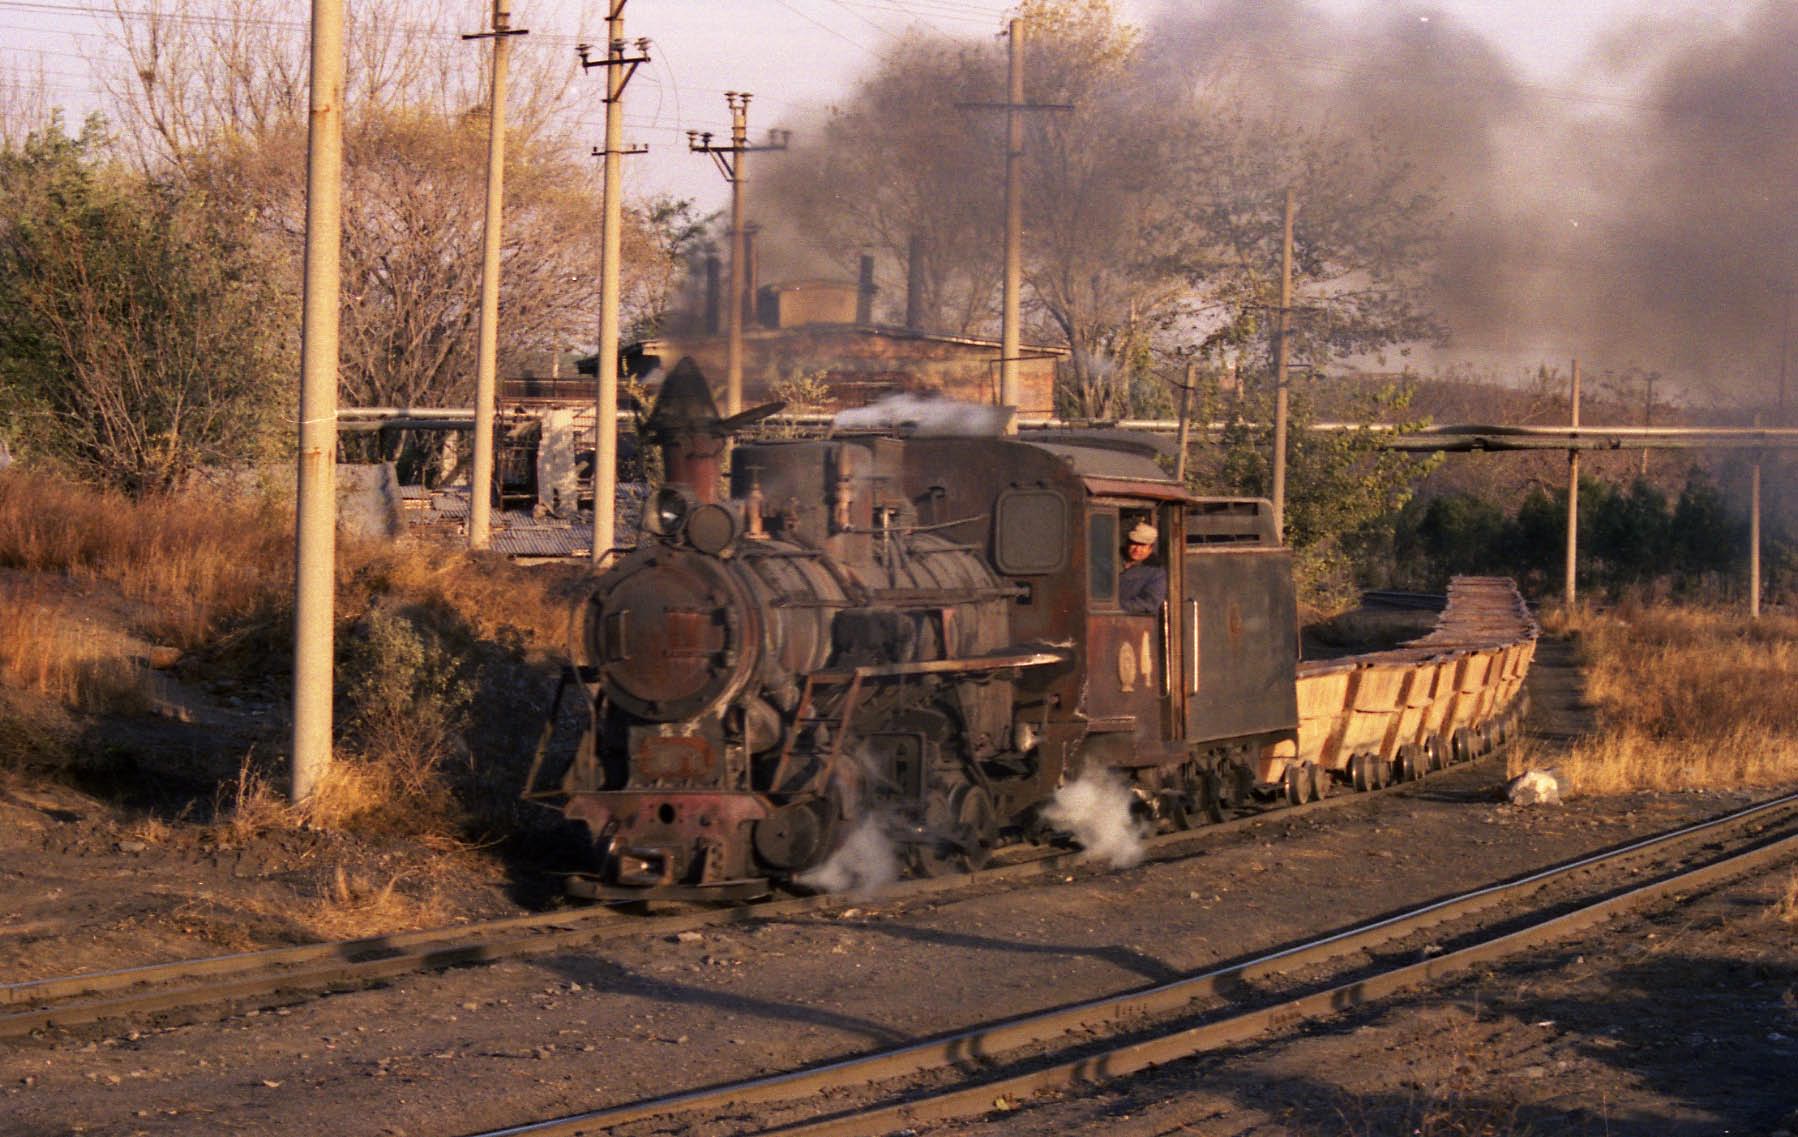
(1142, 586)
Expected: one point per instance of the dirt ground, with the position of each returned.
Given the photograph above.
(1684, 1024)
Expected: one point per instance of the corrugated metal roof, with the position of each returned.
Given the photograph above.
(536, 540)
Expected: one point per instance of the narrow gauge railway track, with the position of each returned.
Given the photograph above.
(1016, 1058)
(279, 974)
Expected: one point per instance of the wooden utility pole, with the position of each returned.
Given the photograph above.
(1571, 594)
(480, 489)
(315, 536)
(1280, 391)
(1010, 336)
(732, 163)
(619, 69)
(1647, 414)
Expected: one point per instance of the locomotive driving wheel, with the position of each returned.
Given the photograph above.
(960, 829)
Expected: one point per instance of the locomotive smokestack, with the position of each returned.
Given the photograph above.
(714, 296)
(684, 424)
(752, 274)
(687, 426)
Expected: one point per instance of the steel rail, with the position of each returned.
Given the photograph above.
(57, 1002)
(1135, 1057)
(984, 1042)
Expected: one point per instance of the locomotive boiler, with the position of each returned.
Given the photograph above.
(925, 632)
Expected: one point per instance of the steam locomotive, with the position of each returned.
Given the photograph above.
(927, 629)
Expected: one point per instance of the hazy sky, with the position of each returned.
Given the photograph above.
(797, 55)
(1618, 175)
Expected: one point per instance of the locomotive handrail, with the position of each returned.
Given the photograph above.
(966, 664)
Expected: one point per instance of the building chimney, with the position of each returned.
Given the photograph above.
(714, 296)
(752, 274)
(864, 292)
(914, 284)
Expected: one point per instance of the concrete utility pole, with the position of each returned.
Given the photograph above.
(480, 485)
(1185, 424)
(1280, 387)
(1571, 593)
(1785, 352)
(1011, 345)
(619, 69)
(315, 536)
(1754, 536)
(1010, 339)
(732, 164)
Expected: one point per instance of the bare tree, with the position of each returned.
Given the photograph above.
(902, 159)
(214, 98)
(24, 104)
(188, 74)
(1152, 206)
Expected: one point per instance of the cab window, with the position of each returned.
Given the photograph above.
(1102, 555)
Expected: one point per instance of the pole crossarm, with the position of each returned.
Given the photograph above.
(615, 57)
(700, 142)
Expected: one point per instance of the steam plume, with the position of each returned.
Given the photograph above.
(863, 865)
(923, 416)
(1643, 213)
(1096, 810)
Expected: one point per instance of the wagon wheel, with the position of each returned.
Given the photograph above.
(1461, 745)
(1211, 796)
(1382, 771)
(1298, 784)
(1412, 762)
(1436, 758)
(1359, 775)
(1320, 781)
(1178, 807)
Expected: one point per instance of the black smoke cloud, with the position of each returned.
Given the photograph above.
(1648, 217)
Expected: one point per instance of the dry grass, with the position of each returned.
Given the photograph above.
(1785, 910)
(349, 907)
(193, 562)
(52, 649)
(1686, 699)
(249, 807)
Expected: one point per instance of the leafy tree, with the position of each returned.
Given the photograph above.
(1705, 537)
(1454, 533)
(140, 334)
(1340, 484)
(1632, 535)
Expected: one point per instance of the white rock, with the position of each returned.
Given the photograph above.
(1534, 787)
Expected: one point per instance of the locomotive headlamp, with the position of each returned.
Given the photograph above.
(712, 528)
(667, 512)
